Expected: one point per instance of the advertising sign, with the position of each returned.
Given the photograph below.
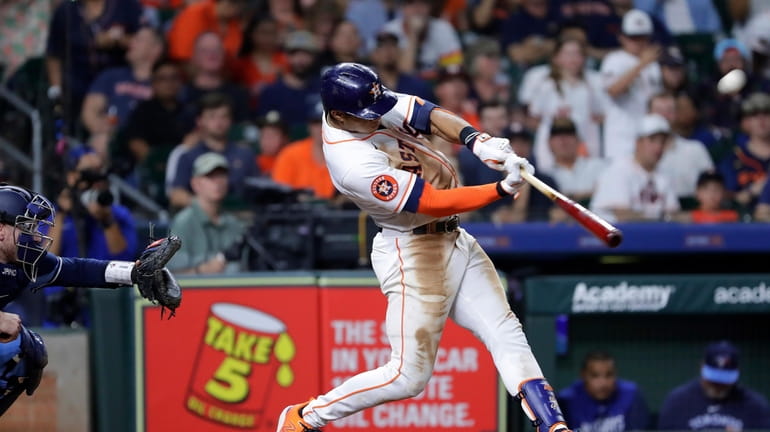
(230, 360)
(462, 395)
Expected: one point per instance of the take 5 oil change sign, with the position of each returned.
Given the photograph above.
(462, 395)
(231, 359)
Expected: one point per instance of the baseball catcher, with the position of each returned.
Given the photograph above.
(25, 263)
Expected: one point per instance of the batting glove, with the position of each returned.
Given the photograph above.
(492, 150)
(514, 163)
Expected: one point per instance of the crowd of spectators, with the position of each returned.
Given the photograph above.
(614, 101)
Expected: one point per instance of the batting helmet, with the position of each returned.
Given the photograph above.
(356, 90)
(32, 215)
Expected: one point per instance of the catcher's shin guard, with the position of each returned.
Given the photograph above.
(539, 403)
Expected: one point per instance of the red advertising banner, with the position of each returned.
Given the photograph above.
(231, 359)
(462, 395)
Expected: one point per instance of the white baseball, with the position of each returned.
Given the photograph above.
(732, 82)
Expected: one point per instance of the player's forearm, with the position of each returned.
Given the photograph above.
(447, 202)
(622, 84)
(93, 273)
(446, 124)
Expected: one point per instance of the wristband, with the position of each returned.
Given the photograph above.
(500, 190)
(468, 136)
(119, 272)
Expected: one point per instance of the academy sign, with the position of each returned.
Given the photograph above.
(620, 297)
(759, 294)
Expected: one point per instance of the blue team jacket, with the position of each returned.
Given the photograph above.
(625, 410)
(688, 408)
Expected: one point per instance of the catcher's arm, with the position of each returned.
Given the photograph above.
(149, 273)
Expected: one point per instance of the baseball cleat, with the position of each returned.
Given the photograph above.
(291, 420)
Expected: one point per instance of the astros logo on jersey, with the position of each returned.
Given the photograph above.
(384, 187)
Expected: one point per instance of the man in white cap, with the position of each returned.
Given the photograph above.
(631, 76)
(631, 189)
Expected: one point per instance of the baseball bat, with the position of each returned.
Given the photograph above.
(597, 226)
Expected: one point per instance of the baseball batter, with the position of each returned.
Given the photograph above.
(378, 151)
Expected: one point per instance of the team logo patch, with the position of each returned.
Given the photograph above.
(384, 187)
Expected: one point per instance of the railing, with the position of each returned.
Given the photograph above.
(35, 164)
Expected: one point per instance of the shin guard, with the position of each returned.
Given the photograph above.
(539, 403)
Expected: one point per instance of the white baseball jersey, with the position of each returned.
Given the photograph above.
(625, 184)
(378, 171)
(624, 111)
(682, 163)
(426, 278)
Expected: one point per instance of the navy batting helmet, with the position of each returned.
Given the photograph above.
(355, 89)
(32, 216)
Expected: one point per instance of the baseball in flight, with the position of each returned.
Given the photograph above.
(732, 82)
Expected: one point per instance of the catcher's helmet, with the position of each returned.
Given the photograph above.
(355, 89)
(32, 215)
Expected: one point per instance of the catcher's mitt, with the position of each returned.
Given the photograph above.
(155, 282)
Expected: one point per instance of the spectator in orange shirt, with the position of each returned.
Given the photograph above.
(261, 58)
(223, 17)
(301, 164)
(712, 194)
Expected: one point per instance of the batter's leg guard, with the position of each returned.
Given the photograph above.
(539, 403)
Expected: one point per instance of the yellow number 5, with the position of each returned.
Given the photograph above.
(233, 373)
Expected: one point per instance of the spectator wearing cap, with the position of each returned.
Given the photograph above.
(223, 17)
(345, 45)
(298, 87)
(261, 59)
(385, 57)
(673, 70)
(631, 76)
(684, 17)
(488, 79)
(207, 74)
(212, 236)
(301, 164)
(529, 34)
(577, 174)
(724, 110)
(427, 43)
(571, 91)
(745, 170)
(712, 200)
(213, 125)
(631, 188)
(715, 400)
(683, 159)
(273, 136)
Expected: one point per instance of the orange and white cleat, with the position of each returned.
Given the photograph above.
(291, 420)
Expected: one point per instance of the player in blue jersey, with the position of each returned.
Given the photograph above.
(715, 400)
(600, 401)
(25, 263)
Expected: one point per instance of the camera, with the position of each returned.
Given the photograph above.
(90, 194)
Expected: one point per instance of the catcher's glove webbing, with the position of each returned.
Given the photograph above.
(155, 281)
